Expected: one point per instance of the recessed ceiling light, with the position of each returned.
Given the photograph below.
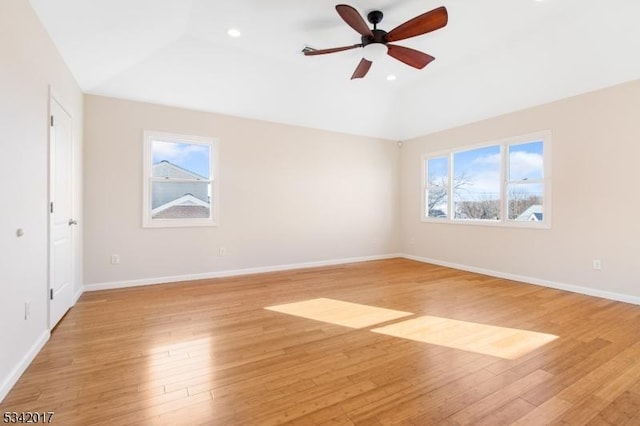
(233, 32)
(391, 77)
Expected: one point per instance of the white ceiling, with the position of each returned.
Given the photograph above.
(494, 56)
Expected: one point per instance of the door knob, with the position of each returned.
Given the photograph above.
(72, 222)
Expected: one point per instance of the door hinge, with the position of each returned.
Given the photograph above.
(51, 294)
(52, 121)
(51, 207)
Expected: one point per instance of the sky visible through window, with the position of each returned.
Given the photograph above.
(478, 171)
(525, 161)
(438, 170)
(480, 168)
(190, 156)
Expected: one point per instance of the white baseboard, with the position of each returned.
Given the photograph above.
(77, 295)
(237, 272)
(233, 273)
(531, 280)
(10, 381)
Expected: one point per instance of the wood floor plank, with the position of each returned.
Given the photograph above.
(620, 411)
(208, 352)
(507, 414)
(544, 414)
(486, 406)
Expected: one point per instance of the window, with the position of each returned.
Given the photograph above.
(476, 186)
(179, 188)
(438, 188)
(504, 183)
(525, 182)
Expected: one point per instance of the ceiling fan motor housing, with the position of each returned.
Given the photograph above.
(379, 36)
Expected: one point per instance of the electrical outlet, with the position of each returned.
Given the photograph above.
(222, 251)
(115, 259)
(27, 309)
(597, 264)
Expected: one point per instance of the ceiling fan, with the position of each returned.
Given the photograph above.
(376, 42)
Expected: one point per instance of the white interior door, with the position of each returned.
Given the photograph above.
(61, 214)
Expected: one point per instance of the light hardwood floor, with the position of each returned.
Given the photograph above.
(207, 352)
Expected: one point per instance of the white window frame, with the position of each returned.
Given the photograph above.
(147, 168)
(544, 136)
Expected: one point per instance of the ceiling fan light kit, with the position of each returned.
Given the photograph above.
(375, 42)
(374, 51)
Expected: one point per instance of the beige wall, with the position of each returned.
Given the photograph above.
(595, 192)
(29, 64)
(289, 195)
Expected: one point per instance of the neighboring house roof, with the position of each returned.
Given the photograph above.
(167, 169)
(183, 212)
(186, 206)
(533, 214)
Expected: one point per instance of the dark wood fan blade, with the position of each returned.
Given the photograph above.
(425, 23)
(332, 50)
(362, 69)
(354, 19)
(411, 57)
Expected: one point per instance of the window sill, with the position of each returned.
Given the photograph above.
(492, 223)
(179, 223)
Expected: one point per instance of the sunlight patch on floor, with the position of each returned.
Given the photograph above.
(337, 312)
(502, 342)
